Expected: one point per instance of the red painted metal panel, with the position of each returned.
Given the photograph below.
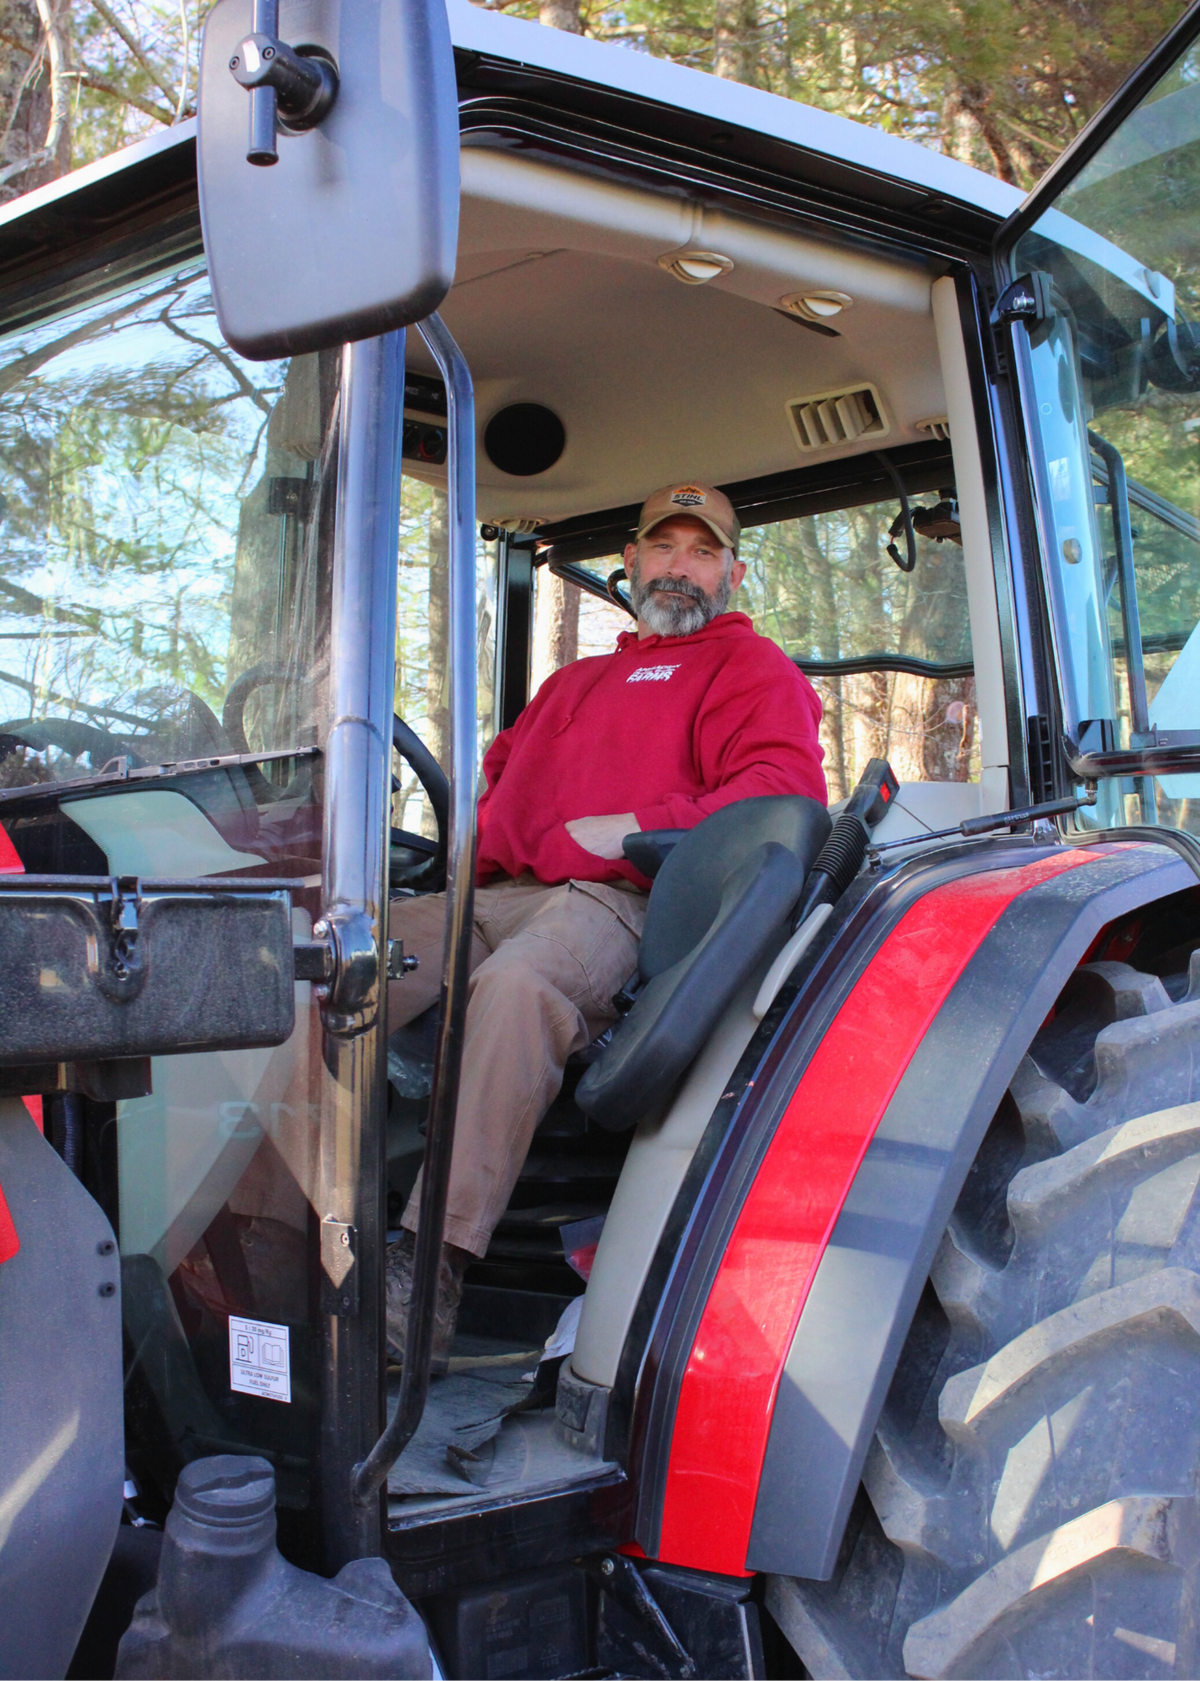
(728, 1391)
(9, 1241)
(10, 863)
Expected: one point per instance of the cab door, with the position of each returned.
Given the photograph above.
(175, 598)
(1099, 281)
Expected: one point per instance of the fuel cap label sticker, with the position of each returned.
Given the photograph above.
(259, 1359)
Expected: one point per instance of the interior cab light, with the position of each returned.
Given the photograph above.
(816, 306)
(694, 268)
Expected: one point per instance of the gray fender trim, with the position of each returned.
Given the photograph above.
(62, 1435)
(865, 1293)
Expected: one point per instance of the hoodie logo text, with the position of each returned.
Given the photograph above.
(652, 674)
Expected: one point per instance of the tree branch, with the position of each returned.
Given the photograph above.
(222, 356)
(98, 85)
(58, 49)
(134, 45)
(181, 103)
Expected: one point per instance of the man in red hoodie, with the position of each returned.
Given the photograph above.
(692, 712)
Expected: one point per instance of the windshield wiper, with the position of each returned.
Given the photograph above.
(122, 772)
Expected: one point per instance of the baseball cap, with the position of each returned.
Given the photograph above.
(701, 501)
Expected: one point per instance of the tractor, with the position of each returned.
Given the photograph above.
(845, 1319)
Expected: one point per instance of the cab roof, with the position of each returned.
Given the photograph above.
(509, 68)
(630, 72)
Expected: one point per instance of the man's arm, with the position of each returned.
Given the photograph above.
(756, 735)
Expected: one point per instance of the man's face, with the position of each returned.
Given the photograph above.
(680, 577)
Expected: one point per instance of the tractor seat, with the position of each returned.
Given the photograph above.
(720, 899)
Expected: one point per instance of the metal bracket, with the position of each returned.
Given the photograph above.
(398, 964)
(645, 1627)
(352, 965)
(289, 90)
(1027, 300)
(339, 1268)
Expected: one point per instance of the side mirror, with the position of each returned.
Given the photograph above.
(328, 165)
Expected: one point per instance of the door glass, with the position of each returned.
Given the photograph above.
(164, 595)
(825, 589)
(422, 628)
(1111, 383)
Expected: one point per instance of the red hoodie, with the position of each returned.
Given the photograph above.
(671, 728)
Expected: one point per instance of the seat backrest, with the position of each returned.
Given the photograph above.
(718, 904)
(689, 887)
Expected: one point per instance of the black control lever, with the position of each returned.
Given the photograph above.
(840, 859)
(289, 89)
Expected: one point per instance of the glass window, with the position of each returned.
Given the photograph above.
(161, 510)
(824, 587)
(570, 623)
(165, 561)
(1112, 390)
(422, 693)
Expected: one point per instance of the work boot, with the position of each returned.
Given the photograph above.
(398, 1276)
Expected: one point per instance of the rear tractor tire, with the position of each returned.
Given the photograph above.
(1031, 1503)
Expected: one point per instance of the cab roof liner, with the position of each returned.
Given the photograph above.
(566, 298)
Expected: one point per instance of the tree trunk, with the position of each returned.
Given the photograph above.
(977, 101)
(735, 41)
(555, 626)
(561, 14)
(55, 17)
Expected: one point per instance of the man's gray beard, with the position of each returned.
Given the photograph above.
(666, 615)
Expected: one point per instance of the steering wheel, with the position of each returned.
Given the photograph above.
(427, 871)
(233, 722)
(72, 737)
(233, 713)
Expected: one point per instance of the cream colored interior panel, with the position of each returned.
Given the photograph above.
(921, 807)
(977, 543)
(650, 1179)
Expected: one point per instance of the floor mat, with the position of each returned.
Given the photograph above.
(453, 1450)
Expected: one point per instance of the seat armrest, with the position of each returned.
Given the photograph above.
(647, 849)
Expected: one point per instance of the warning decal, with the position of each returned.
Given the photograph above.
(259, 1359)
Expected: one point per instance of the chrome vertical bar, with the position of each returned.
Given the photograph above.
(362, 679)
(350, 1191)
(460, 903)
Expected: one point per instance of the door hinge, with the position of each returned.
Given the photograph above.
(1027, 299)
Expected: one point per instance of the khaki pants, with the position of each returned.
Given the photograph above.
(545, 962)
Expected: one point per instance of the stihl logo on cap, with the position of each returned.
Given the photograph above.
(689, 496)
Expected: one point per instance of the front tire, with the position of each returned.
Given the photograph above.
(1029, 1506)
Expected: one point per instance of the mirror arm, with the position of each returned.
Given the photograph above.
(909, 561)
(370, 1475)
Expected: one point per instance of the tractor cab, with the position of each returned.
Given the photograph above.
(264, 603)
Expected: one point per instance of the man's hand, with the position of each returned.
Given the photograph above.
(603, 835)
